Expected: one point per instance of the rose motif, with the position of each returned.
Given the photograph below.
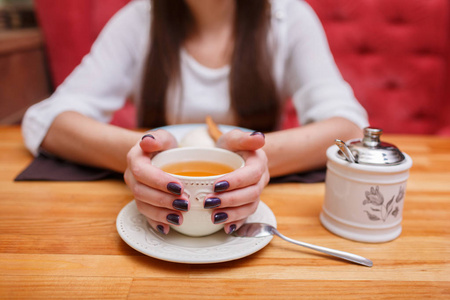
(375, 200)
(374, 197)
(395, 212)
(400, 195)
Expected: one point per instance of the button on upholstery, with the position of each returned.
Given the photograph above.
(397, 20)
(365, 49)
(392, 84)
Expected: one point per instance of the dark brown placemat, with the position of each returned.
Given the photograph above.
(48, 168)
(45, 168)
(306, 177)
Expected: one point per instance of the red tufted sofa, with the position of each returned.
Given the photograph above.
(394, 53)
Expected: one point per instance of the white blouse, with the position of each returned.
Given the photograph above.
(303, 66)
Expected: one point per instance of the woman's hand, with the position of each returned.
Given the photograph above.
(237, 193)
(159, 196)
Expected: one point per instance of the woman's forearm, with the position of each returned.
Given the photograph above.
(304, 148)
(80, 139)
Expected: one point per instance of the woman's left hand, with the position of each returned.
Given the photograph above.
(236, 195)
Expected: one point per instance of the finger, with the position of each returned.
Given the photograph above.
(160, 215)
(157, 140)
(230, 215)
(255, 170)
(229, 228)
(159, 227)
(234, 198)
(237, 140)
(155, 197)
(140, 167)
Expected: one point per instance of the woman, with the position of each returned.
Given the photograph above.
(182, 60)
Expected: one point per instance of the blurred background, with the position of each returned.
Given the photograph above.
(394, 53)
(24, 72)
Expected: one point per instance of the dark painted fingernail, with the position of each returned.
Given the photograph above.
(220, 217)
(221, 186)
(232, 228)
(180, 204)
(148, 136)
(173, 219)
(160, 229)
(212, 203)
(257, 133)
(174, 188)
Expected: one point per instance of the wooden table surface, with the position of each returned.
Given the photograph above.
(59, 240)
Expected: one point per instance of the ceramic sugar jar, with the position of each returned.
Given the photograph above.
(365, 189)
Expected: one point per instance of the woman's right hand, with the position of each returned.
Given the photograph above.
(159, 196)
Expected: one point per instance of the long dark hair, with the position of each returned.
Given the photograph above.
(253, 93)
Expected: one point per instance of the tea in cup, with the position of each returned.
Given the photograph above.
(197, 168)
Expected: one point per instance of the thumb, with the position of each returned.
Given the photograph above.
(158, 140)
(238, 140)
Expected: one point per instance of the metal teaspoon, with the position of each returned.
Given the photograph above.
(262, 230)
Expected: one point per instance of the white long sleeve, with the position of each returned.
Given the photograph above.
(303, 69)
(102, 82)
(310, 75)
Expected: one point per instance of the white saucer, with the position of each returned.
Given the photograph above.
(175, 247)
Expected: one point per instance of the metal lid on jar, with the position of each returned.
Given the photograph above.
(370, 150)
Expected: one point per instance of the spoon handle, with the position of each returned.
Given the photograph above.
(341, 254)
(345, 150)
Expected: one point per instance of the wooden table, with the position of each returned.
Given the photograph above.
(59, 240)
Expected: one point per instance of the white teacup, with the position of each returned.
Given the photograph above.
(197, 221)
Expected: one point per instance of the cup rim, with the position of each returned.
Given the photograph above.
(194, 149)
